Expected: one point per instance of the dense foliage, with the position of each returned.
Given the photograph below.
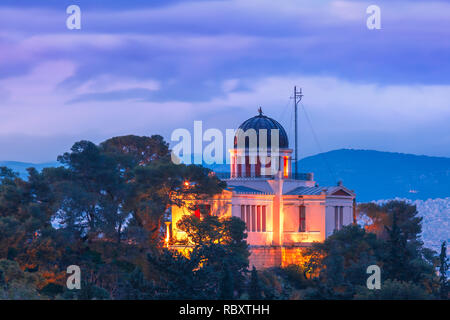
(104, 210)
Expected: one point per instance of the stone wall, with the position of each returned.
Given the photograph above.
(263, 257)
(266, 257)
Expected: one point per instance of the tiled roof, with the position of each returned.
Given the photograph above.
(306, 191)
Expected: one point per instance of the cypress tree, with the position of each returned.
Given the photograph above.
(255, 289)
(443, 269)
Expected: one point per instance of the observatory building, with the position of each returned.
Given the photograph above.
(284, 211)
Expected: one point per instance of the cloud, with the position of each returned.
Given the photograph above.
(197, 41)
(343, 113)
(141, 67)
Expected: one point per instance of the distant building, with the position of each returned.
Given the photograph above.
(283, 212)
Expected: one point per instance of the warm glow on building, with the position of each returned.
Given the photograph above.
(283, 213)
(167, 238)
(286, 167)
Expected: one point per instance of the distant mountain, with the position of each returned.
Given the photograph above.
(21, 167)
(373, 175)
(382, 175)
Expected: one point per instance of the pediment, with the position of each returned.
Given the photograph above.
(341, 192)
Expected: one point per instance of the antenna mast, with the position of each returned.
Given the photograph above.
(297, 98)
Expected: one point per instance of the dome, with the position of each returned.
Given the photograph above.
(263, 122)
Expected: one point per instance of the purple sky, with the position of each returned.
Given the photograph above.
(140, 68)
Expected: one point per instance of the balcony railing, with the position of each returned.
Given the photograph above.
(300, 176)
(305, 176)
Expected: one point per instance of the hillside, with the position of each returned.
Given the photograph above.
(382, 175)
(378, 175)
(21, 167)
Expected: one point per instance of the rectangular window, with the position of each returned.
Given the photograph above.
(341, 217)
(258, 167)
(258, 218)
(263, 218)
(336, 218)
(197, 212)
(267, 166)
(286, 166)
(243, 213)
(302, 219)
(247, 213)
(253, 219)
(247, 167)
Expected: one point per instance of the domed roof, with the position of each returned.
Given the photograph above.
(263, 122)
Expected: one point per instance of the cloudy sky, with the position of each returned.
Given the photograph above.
(146, 67)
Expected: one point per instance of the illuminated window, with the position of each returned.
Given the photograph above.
(202, 210)
(247, 213)
(302, 219)
(253, 218)
(197, 212)
(258, 218)
(286, 167)
(263, 218)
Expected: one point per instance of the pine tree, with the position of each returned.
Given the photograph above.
(226, 287)
(254, 289)
(334, 270)
(443, 269)
(396, 262)
(2, 280)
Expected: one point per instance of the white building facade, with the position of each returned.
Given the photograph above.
(283, 211)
